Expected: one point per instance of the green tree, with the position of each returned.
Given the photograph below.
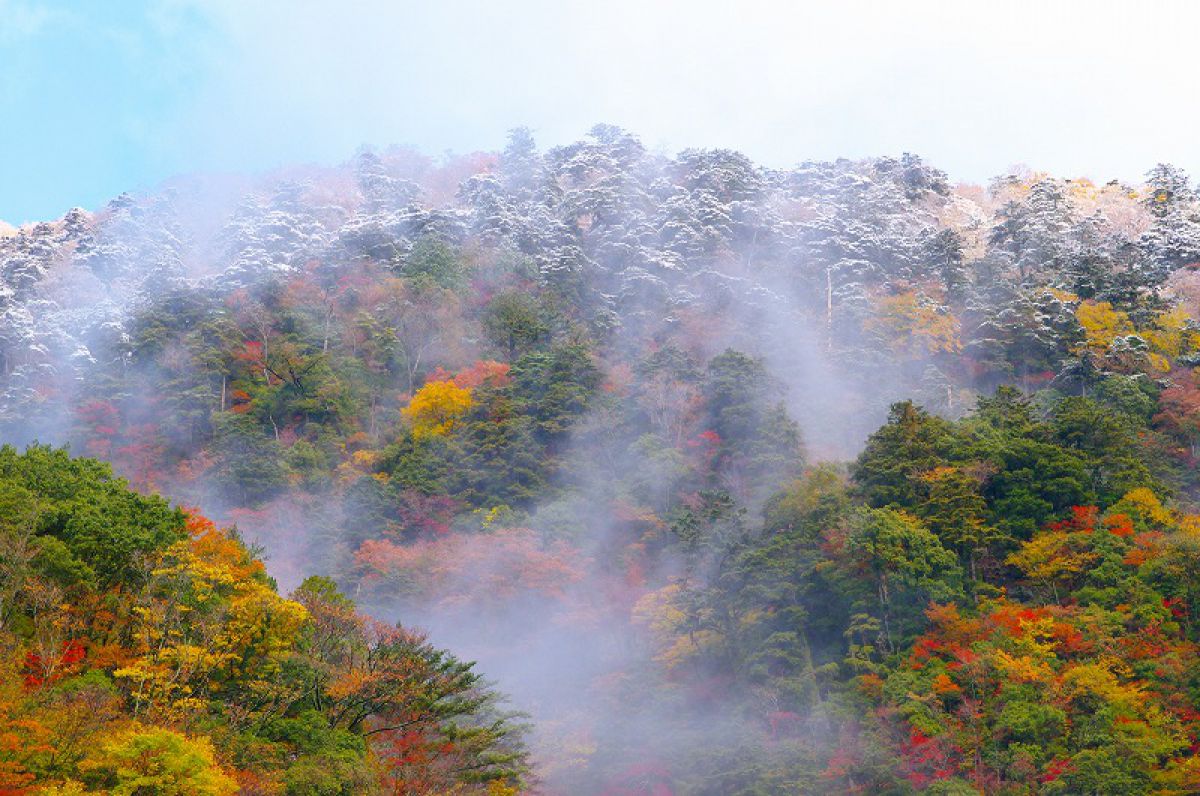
(159, 761)
(516, 323)
(912, 442)
(907, 566)
(249, 462)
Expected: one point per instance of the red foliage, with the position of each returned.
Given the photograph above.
(1055, 769)
(1082, 519)
(1176, 606)
(925, 759)
(39, 672)
(1010, 617)
(423, 516)
(1145, 547)
(1119, 525)
(100, 419)
(439, 374)
(484, 373)
(476, 571)
(196, 523)
(239, 401)
(140, 458)
(783, 724)
(252, 352)
(1179, 409)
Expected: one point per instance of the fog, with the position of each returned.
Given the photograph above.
(557, 599)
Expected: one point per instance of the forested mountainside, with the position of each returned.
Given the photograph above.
(147, 652)
(838, 479)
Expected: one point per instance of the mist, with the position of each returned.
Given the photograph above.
(551, 613)
(664, 333)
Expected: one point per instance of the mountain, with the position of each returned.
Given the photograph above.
(839, 478)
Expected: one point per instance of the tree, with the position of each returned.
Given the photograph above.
(88, 522)
(161, 761)
(19, 512)
(1108, 443)
(912, 442)
(433, 261)
(428, 717)
(1179, 410)
(955, 510)
(436, 408)
(907, 565)
(250, 465)
(516, 323)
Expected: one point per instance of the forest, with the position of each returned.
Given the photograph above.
(602, 470)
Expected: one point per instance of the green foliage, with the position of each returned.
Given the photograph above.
(912, 442)
(433, 260)
(157, 761)
(554, 387)
(516, 323)
(88, 524)
(251, 462)
(1108, 442)
(907, 563)
(1000, 600)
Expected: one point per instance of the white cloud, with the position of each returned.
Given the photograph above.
(1102, 88)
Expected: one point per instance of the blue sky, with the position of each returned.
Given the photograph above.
(105, 96)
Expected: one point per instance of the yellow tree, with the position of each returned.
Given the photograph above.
(907, 322)
(160, 761)
(207, 620)
(1102, 324)
(436, 408)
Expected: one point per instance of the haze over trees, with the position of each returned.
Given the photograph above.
(841, 478)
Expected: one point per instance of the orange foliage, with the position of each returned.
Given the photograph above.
(484, 373)
(1119, 525)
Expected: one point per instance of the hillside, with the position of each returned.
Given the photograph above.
(147, 651)
(841, 478)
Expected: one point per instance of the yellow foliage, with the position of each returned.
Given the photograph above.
(942, 685)
(1167, 336)
(1145, 502)
(1102, 324)
(365, 460)
(70, 787)
(161, 761)
(436, 408)
(208, 610)
(1098, 679)
(903, 319)
(667, 620)
(1036, 639)
(1051, 556)
(1158, 362)
(489, 517)
(1023, 669)
(1190, 524)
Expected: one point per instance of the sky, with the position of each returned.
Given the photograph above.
(104, 96)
